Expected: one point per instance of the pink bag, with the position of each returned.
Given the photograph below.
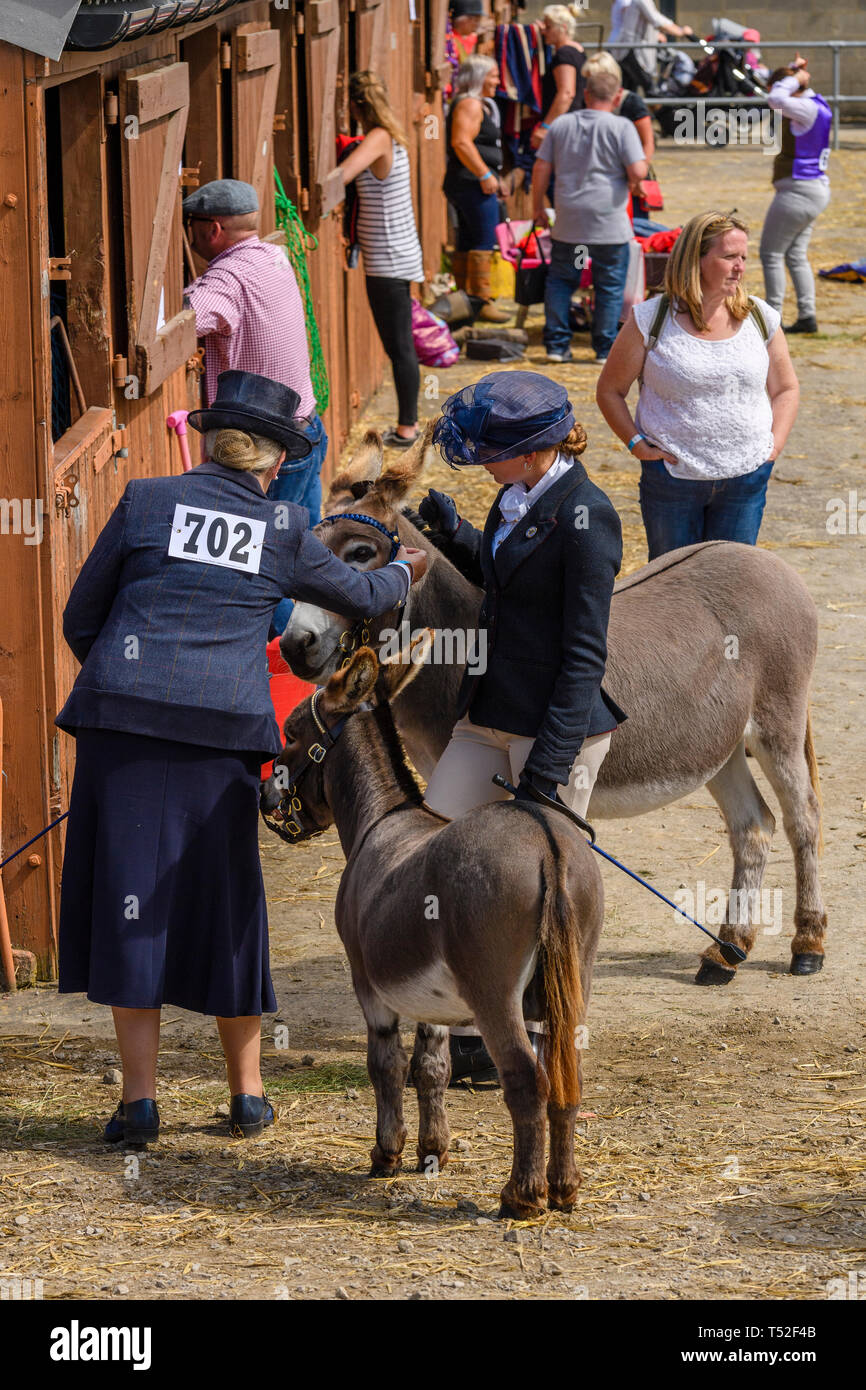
(433, 342)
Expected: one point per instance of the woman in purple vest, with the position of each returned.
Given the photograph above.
(802, 190)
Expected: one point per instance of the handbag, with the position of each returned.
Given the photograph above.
(652, 199)
(529, 280)
(434, 344)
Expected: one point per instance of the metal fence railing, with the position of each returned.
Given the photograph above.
(834, 98)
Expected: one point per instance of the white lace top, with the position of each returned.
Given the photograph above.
(706, 402)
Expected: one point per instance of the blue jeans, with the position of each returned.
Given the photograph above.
(300, 481)
(644, 226)
(683, 511)
(478, 214)
(609, 271)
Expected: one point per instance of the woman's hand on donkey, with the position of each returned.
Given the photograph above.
(416, 559)
(440, 512)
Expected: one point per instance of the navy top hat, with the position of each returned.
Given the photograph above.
(503, 415)
(247, 401)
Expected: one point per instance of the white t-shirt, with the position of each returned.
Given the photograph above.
(706, 402)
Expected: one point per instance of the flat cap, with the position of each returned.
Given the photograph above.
(221, 198)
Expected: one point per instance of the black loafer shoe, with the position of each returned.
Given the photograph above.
(470, 1060)
(135, 1123)
(250, 1115)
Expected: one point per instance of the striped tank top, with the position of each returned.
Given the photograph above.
(386, 222)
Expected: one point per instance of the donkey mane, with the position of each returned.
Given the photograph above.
(384, 758)
(396, 753)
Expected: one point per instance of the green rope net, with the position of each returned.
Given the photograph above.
(298, 242)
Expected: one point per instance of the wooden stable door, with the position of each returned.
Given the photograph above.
(323, 59)
(255, 80)
(153, 111)
(371, 20)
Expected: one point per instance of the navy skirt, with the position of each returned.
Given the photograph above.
(162, 898)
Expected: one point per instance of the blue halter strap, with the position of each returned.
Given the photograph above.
(368, 521)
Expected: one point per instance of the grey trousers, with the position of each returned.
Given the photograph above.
(785, 239)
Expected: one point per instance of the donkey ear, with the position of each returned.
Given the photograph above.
(351, 685)
(364, 467)
(395, 481)
(400, 670)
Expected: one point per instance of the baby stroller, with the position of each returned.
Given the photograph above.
(731, 67)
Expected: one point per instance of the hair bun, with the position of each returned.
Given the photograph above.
(235, 449)
(575, 441)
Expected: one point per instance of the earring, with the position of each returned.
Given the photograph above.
(526, 465)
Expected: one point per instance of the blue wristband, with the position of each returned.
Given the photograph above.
(544, 125)
(634, 439)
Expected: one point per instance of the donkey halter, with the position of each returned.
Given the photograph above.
(293, 828)
(358, 635)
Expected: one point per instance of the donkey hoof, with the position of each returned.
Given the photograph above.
(431, 1163)
(509, 1211)
(712, 974)
(384, 1165)
(378, 1170)
(523, 1205)
(807, 962)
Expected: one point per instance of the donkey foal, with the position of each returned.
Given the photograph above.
(446, 923)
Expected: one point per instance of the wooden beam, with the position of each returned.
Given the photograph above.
(322, 16)
(261, 50)
(159, 93)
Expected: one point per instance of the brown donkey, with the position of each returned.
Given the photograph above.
(445, 923)
(710, 652)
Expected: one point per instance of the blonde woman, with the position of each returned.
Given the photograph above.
(718, 396)
(389, 240)
(562, 84)
(162, 900)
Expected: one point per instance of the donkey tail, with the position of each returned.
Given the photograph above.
(814, 777)
(559, 943)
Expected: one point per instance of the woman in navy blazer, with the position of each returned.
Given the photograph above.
(547, 559)
(162, 900)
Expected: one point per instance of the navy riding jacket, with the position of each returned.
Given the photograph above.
(170, 613)
(546, 607)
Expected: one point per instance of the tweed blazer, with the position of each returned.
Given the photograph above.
(547, 593)
(175, 647)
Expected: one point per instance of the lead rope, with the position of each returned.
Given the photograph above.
(732, 954)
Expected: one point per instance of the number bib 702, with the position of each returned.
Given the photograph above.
(217, 538)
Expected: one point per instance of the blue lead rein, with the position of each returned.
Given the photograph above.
(732, 954)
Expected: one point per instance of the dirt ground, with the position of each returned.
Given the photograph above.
(724, 1154)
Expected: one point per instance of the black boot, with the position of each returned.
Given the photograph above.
(470, 1060)
(809, 325)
